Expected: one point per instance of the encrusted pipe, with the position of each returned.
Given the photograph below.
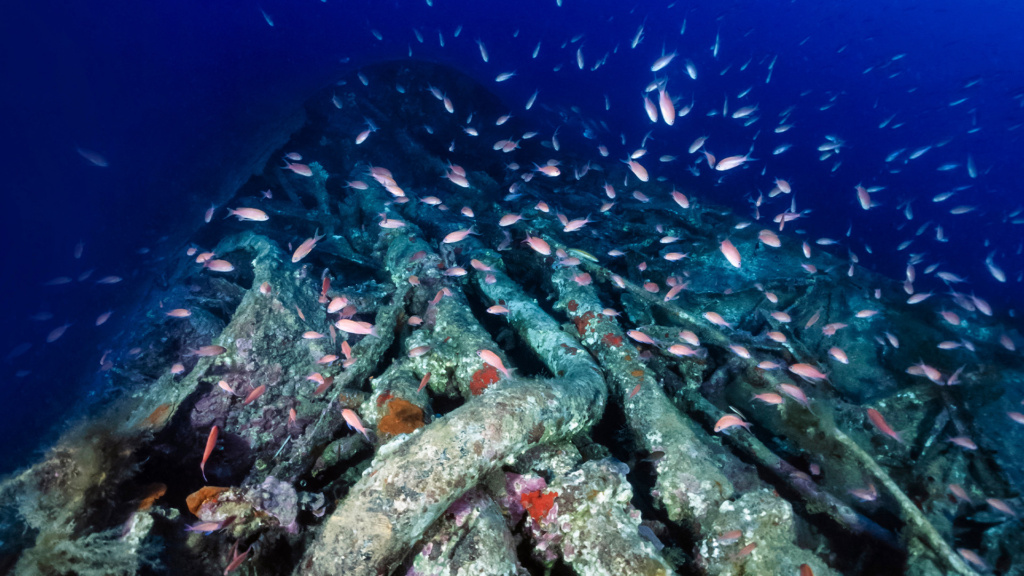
(413, 480)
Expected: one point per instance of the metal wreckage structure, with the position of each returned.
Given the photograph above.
(596, 454)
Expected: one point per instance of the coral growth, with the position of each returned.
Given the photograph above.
(538, 503)
(197, 499)
(483, 378)
(402, 417)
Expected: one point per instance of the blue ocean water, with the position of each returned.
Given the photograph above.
(165, 93)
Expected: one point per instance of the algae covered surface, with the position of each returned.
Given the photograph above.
(431, 344)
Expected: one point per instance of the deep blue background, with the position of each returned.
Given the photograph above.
(165, 90)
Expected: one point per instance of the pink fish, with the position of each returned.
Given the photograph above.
(839, 354)
(863, 197)
(538, 245)
(211, 443)
(769, 238)
(548, 170)
(869, 494)
(457, 236)
(252, 214)
(494, 360)
(236, 559)
(638, 170)
(879, 421)
(731, 253)
(640, 337)
(682, 350)
(574, 225)
(509, 219)
(731, 162)
(306, 247)
(831, 329)
(807, 372)
(355, 327)
(730, 421)
(716, 319)
(300, 169)
(218, 265)
(418, 351)
(795, 393)
(972, 557)
(478, 265)
(1001, 506)
(680, 199)
(964, 442)
(353, 421)
(668, 109)
(211, 350)
(740, 351)
(208, 527)
(455, 271)
(959, 492)
(769, 398)
(57, 332)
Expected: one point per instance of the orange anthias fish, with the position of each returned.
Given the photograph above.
(730, 421)
(218, 265)
(236, 559)
(807, 372)
(879, 421)
(256, 393)
(356, 327)
(457, 236)
(493, 359)
(769, 398)
(640, 337)
(731, 253)
(353, 421)
(307, 246)
(211, 442)
(538, 245)
(211, 350)
(716, 319)
(252, 214)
